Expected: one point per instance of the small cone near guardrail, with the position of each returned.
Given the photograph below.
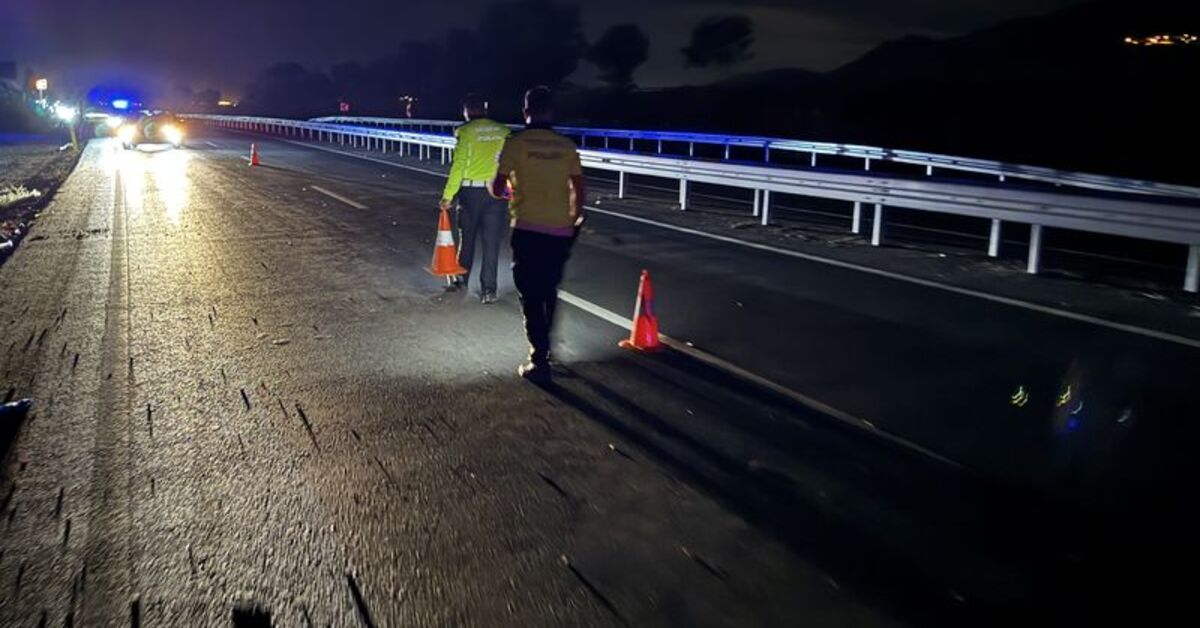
(445, 254)
(644, 335)
(254, 155)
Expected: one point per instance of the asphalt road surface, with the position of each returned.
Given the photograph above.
(253, 403)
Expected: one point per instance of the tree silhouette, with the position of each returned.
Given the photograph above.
(288, 90)
(618, 52)
(720, 40)
(529, 42)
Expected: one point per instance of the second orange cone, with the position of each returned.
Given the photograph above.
(445, 254)
(644, 335)
(254, 155)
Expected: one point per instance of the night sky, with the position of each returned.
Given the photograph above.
(223, 43)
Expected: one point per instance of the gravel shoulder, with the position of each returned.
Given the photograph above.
(29, 176)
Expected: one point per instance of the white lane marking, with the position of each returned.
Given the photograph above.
(336, 196)
(244, 158)
(374, 159)
(758, 380)
(994, 298)
(212, 144)
(1042, 309)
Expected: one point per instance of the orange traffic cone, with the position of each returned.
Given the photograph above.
(445, 254)
(254, 155)
(644, 335)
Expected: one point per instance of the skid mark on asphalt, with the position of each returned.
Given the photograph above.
(591, 588)
(699, 560)
(308, 426)
(364, 613)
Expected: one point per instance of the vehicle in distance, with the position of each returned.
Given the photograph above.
(152, 127)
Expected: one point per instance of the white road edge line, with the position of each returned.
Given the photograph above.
(743, 374)
(212, 144)
(338, 197)
(994, 298)
(1043, 309)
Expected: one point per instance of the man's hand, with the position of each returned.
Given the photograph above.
(445, 205)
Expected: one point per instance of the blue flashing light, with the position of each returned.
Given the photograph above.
(120, 103)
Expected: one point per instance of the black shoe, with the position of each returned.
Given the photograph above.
(536, 373)
(488, 298)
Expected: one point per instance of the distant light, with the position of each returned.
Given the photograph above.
(1162, 39)
(41, 85)
(120, 103)
(225, 103)
(66, 113)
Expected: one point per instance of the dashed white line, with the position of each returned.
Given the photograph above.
(366, 157)
(758, 380)
(334, 195)
(994, 298)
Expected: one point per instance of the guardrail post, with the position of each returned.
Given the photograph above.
(994, 239)
(856, 222)
(621, 184)
(877, 226)
(1034, 266)
(659, 147)
(867, 164)
(757, 201)
(606, 142)
(812, 163)
(691, 149)
(929, 170)
(1191, 281)
(766, 208)
(683, 186)
(727, 152)
(631, 144)
(767, 154)
(442, 154)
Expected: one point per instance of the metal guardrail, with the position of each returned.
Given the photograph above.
(1135, 216)
(930, 161)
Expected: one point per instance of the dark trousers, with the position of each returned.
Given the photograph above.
(484, 219)
(538, 262)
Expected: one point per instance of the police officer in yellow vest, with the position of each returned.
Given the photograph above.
(547, 210)
(481, 218)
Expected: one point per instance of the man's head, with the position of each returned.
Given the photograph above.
(539, 105)
(474, 106)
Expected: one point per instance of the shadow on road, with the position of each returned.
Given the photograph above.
(930, 543)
